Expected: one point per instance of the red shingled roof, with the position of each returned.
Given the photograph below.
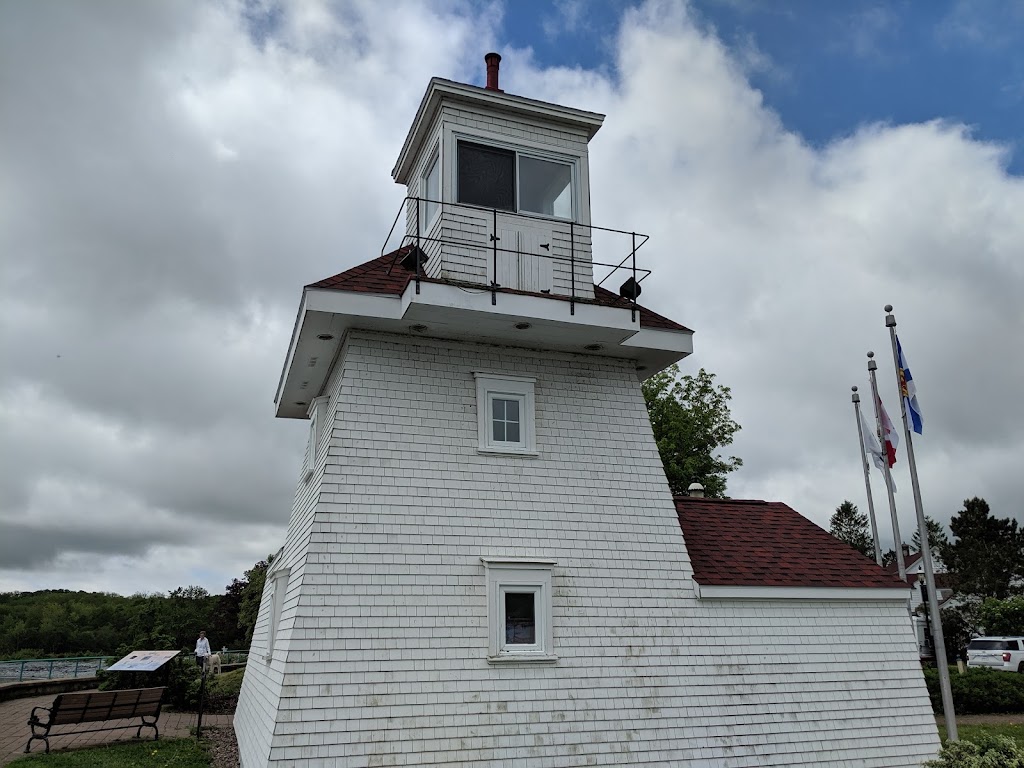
(761, 543)
(373, 277)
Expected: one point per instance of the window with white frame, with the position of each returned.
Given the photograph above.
(278, 584)
(513, 180)
(317, 416)
(505, 413)
(431, 190)
(519, 610)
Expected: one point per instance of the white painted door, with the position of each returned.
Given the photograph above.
(523, 261)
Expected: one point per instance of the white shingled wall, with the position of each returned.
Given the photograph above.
(381, 658)
(257, 709)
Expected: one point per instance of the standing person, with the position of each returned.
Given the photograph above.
(202, 649)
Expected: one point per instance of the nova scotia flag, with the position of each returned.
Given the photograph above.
(909, 392)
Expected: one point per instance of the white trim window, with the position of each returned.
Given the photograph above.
(317, 416)
(519, 610)
(430, 190)
(505, 413)
(515, 180)
(278, 583)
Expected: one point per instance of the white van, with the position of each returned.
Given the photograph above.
(1004, 653)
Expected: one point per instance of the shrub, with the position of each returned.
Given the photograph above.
(980, 691)
(985, 752)
(222, 691)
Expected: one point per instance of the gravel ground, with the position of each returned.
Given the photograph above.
(223, 746)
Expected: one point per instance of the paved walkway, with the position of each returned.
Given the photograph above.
(14, 730)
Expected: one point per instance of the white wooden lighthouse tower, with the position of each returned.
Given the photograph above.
(484, 565)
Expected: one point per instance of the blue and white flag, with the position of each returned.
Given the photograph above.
(909, 392)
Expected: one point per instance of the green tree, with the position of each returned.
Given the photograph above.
(889, 558)
(252, 593)
(691, 421)
(985, 558)
(1002, 617)
(959, 623)
(850, 526)
(937, 539)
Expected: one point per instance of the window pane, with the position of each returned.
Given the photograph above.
(545, 187)
(505, 420)
(520, 618)
(487, 176)
(431, 191)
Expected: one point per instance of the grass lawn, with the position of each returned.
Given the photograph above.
(972, 732)
(176, 753)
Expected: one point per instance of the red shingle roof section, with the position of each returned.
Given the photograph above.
(373, 277)
(760, 543)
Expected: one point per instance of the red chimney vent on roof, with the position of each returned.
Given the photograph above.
(493, 60)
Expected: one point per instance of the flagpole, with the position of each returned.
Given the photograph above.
(867, 476)
(886, 473)
(926, 555)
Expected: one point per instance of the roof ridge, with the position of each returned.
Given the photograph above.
(682, 497)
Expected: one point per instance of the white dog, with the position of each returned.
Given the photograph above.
(214, 663)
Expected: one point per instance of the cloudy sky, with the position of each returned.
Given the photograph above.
(172, 174)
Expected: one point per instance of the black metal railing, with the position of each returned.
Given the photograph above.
(410, 248)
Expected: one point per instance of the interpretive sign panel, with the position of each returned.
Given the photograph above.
(143, 661)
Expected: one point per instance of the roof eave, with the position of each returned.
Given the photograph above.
(438, 89)
(814, 593)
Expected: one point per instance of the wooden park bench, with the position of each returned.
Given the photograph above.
(97, 707)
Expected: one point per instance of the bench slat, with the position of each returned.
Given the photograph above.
(105, 705)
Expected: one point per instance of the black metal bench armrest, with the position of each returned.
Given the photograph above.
(33, 718)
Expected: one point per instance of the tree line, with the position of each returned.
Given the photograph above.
(60, 622)
(981, 560)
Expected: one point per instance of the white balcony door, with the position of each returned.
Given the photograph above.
(524, 263)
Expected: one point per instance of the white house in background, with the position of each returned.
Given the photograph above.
(918, 603)
(484, 565)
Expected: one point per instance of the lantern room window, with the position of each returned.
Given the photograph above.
(514, 181)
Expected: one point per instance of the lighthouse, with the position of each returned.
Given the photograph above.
(484, 564)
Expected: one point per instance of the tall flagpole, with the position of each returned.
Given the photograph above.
(886, 473)
(867, 476)
(926, 555)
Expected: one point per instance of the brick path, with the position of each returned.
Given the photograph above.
(14, 730)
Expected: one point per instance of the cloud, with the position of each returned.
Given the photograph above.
(567, 20)
(868, 33)
(170, 178)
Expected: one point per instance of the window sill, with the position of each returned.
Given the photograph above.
(519, 212)
(495, 451)
(522, 658)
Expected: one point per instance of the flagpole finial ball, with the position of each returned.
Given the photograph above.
(888, 307)
(870, 355)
